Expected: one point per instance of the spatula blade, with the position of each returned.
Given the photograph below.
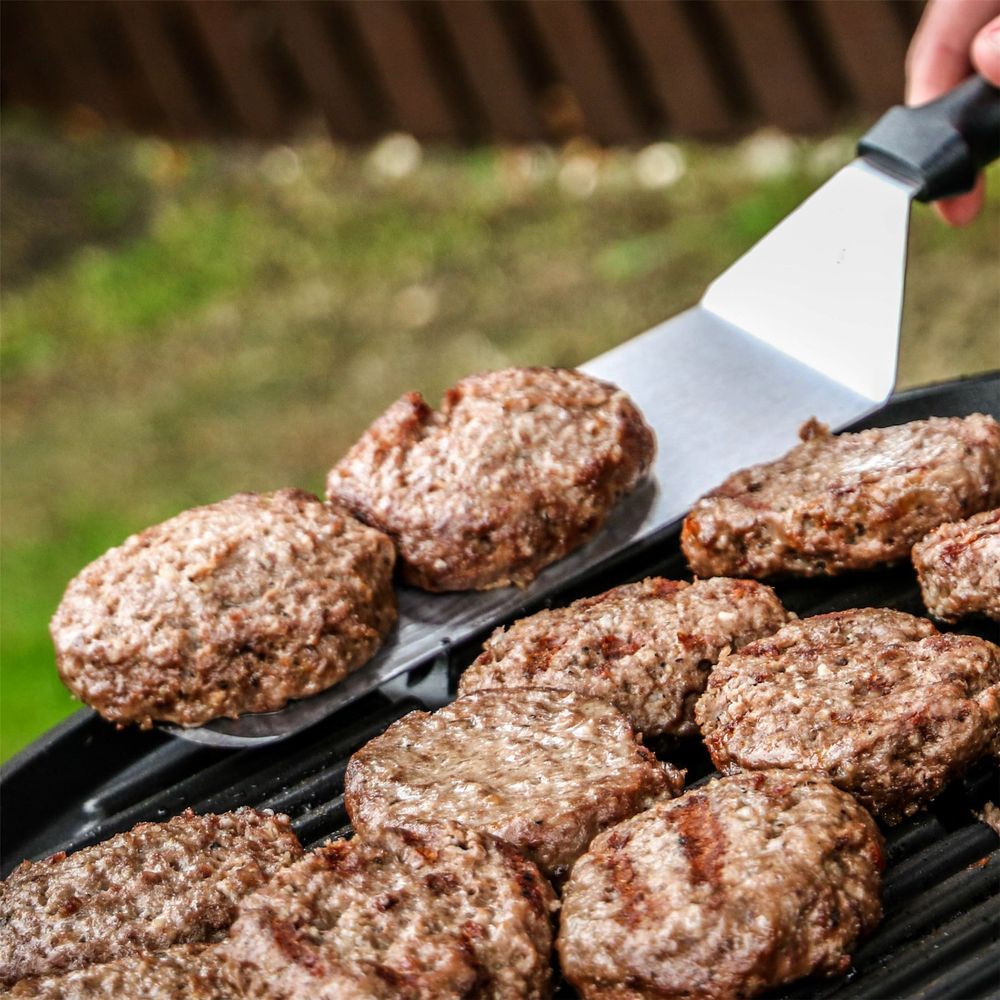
(825, 286)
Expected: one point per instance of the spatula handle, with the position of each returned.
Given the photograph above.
(942, 145)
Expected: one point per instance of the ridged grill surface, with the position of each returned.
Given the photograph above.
(940, 937)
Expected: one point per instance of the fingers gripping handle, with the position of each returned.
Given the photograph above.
(942, 145)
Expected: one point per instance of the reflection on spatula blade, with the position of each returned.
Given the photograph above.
(806, 324)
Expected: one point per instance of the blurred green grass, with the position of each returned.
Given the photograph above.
(182, 322)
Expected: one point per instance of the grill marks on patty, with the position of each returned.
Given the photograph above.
(732, 888)
(424, 912)
(702, 840)
(518, 468)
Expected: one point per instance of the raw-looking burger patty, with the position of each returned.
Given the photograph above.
(959, 568)
(184, 972)
(743, 884)
(426, 913)
(879, 701)
(516, 469)
(543, 770)
(158, 885)
(847, 502)
(645, 647)
(230, 608)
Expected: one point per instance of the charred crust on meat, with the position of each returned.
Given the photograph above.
(574, 766)
(645, 647)
(235, 607)
(153, 887)
(958, 566)
(516, 469)
(432, 910)
(733, 888)
(845, 502)
(882, 703)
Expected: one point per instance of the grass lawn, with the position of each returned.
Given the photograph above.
(183, 322)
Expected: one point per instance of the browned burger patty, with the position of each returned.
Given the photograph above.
(645, 647)
(231, 608)
(158, 885)
(743, 884)
(516, 469)
(959, 568)
(427, 913)
(184, 972)
(879, 701)
(543, 770)
(847, 502)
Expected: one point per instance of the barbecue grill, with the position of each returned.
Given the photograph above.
(83, 781)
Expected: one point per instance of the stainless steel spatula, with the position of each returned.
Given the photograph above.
(805, 324)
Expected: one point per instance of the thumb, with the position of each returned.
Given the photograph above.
(986, 52)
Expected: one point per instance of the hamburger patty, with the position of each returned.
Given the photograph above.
(230, 608)
(879, 701)
(158, 885)
(959, 568)
(427, 913)
(184, 972)
(517, 468)
(847, 502)
(543, 770)
(645, 647)
(745, 883)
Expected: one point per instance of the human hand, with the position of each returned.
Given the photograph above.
(954, 38)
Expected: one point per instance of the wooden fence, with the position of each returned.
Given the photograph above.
(620, 71)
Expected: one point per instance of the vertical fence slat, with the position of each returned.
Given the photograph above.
(575, 46)
(101, 31)
(65, 25)
(870, 45)
(418, 101)
(321, 70)
(776, 63)
(678, 68)
(168, 81)
(27, 73)
(229, 45)
(492, 69)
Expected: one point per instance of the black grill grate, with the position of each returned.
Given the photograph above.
(940, 938)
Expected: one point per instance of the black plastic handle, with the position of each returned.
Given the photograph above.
(940, 145)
